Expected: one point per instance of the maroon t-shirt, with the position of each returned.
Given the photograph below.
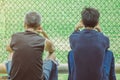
(27, 58)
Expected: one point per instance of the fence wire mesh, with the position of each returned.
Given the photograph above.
(58, 19)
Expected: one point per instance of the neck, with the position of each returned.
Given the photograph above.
(90, 28)
(31, 29)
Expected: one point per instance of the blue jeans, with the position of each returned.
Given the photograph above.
(50, 70)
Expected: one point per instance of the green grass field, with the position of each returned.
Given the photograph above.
(65, 76)
(58, 19)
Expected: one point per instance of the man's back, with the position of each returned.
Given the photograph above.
(27, 58)
(88, 47)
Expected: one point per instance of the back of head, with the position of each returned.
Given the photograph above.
(32, 20)
(90, 17)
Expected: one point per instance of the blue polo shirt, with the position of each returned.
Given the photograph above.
(89, 48)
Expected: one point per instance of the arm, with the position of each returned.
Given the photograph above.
(49, 46)
(8, 48)
(40, 30)
(48, 43)
(44, 34)
(79, 25)
(107, 42)
(4, 68)
(73, 37)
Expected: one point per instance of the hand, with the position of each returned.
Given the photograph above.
(79, 25)
(98, 28)
(40, 30)
(52, 56)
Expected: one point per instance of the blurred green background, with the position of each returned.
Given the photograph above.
(58, 19)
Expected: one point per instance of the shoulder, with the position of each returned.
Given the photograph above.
(105, 40)
(17, 34)
(75, 34)
(40, 37)
(109, 52)
(103, 36)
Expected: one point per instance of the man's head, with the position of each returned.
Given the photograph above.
(90, 17)
(32, 20)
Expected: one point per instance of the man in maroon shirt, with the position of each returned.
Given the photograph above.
(28, 47)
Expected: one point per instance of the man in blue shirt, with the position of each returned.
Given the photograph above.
(89, 47)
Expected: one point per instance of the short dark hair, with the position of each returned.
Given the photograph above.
(32, 19)
(90, 17)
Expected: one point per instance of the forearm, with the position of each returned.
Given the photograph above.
(49, 46)
(48, 43)
(43, 33)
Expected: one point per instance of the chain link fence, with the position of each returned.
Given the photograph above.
(58, 19)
